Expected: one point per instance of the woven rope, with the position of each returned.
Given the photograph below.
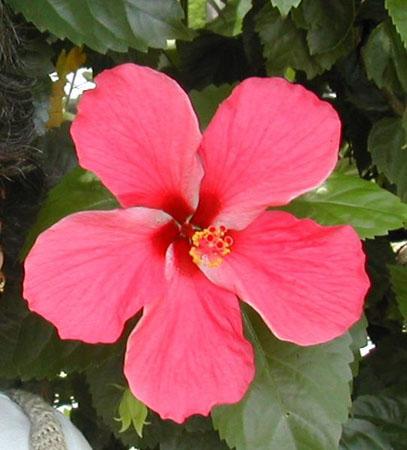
(45, 431)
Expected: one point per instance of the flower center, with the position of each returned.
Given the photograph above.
(210, 246)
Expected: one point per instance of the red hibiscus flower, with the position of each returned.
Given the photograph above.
(194, 235)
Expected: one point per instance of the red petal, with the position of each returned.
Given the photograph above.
(138, 132)
(92, 271)
(307, 282)
(269, 142)
(188, 352)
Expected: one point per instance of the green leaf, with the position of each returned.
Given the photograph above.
(77, 191)
(31, 349)
(398, 277)
(12, 313)
(388, 146)
(35, 333)
(361, 97)
(58, 152)
(284, 6)
(360, 434)
(386, 59)
(199, 440)
(207, 101)
(132, 411)
(388, 414)
(398, 13)
(230, 19)
(379, 255)
(108, 25)
(383, 369)
(285, 45)
(298, 400)
(327, 23)
(345, 199)
(196, 13)
(359, 339)
(196, 433)
(212, 59)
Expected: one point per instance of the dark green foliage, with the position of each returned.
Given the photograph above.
(205, 102)
(398, 13)
(78, 191)
(310, 39)
(211, 58)
(106, 25)
(399, 284)
(378, 416)
(388, 146)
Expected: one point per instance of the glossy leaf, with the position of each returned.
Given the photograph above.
(345, 199)
(284, 6)
(378, 421)
(361, 434)
(385, 58)
(383, 370)
(230, 19)
(299, 398)
(398, 277)
(388, 146)
(106, 25)
(12, 314)
(379, 255)
(30, 348)
(285, 45)
(206, 102)
(58, 153)
(398, 13)
(327, 23)
(358, 334)
(77, 191)
(200, 440)
(212, 59)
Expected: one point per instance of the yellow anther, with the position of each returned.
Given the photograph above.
(210, 246)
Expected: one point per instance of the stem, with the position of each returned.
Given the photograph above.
(396, 105)
(184, 6)
(215, 6)
(169, 58)
(67, 116)
(70, 89)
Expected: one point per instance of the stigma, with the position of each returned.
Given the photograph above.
(210, 246)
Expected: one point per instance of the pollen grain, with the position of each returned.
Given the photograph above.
(210, 246)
